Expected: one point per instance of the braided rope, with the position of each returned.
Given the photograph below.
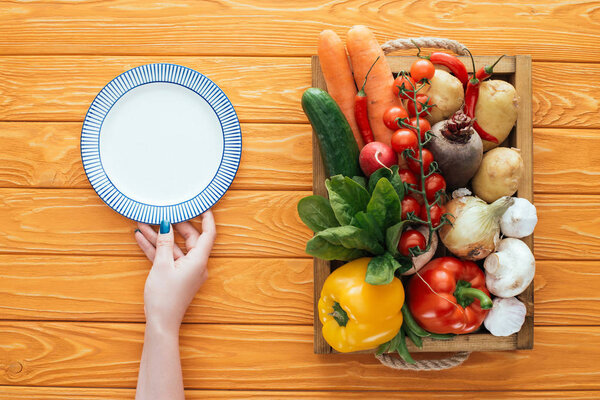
(424, 365)
(430, 42)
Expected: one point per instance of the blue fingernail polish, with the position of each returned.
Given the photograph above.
(165, 226)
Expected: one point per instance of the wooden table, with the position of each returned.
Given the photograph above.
(71, 276)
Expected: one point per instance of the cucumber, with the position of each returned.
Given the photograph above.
(339, 150)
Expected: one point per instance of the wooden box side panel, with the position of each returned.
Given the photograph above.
(518, 70)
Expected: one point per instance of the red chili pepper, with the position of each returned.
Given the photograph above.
(472, 95)
(488, 70)
(483, 134)
(453, 64)
(451, 297)
(360, 111)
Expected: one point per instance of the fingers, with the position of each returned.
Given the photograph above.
(189, 233)
(151, 235)
(145, 245)
(200, 252)
(164, 244)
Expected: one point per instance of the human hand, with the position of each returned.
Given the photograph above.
(175, 277)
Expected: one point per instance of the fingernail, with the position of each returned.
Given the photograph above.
(165, 226)
(136, 231)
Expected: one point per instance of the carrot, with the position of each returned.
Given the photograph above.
(338, 76)
(364, 50)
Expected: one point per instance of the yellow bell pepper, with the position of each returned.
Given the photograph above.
(356, 315)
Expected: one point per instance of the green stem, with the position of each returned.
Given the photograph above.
(465, 295)
(362, 89)
(340, 316)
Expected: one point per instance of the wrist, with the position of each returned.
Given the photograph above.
(162, 329)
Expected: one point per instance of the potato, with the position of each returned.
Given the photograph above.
(496, 110)
(499, 174)
(448, 95)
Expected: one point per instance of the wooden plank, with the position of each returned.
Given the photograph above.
(226, 356)
(280, 291)
(264, 291)
(45, 88)
(57, 393)
(567, 227)
(566, 160)
(553, 30)
(36, 154)
(41, 154)
(263, 89)
(76, 221)
(249, 224)
(523, 138)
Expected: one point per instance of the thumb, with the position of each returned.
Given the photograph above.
(164, 243)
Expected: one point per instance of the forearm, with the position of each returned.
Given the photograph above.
(160, 368)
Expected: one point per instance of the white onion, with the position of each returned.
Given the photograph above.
(475, 228)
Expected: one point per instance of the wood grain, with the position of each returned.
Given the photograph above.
(548, 30)
(566, 161)
(275, 156)
(76, 221)
(279, 357)
(263, 89)
(265, 291)
(57, 393)
(36, 154)
(249, 223)
(46, 88)
(272, 291)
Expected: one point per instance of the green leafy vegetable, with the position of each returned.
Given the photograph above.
(384, 205)
(346, 197)
(360, 180)
(343, 243)
(368, 223)
(380, 270)
(392, 237)
(316, 213)
(393, 177)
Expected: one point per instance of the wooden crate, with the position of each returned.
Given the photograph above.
(516, 70)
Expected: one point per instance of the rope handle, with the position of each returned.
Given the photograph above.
(430, 42)
(424, 365)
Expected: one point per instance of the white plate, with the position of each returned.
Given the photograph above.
(161, 141)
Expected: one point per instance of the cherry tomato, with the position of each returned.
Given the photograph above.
(407, 176)
(408, 85)
(424, 125)
(435, 211)
(392, 114)
(410, 105)
(410, 204)
(404, 139)
(433, 184)
(422, 69)
(416, 167)
(411, 238)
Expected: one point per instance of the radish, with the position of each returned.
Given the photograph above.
(376, 155)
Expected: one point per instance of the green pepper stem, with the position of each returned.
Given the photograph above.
(340, 316)
(468, 294)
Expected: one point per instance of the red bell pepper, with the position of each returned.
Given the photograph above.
(456, 300)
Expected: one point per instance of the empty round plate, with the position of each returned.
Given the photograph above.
(161, 141)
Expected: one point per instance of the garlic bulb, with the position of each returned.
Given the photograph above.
(475, 228)
(510, 270)
(506, 317)
(519, 220)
